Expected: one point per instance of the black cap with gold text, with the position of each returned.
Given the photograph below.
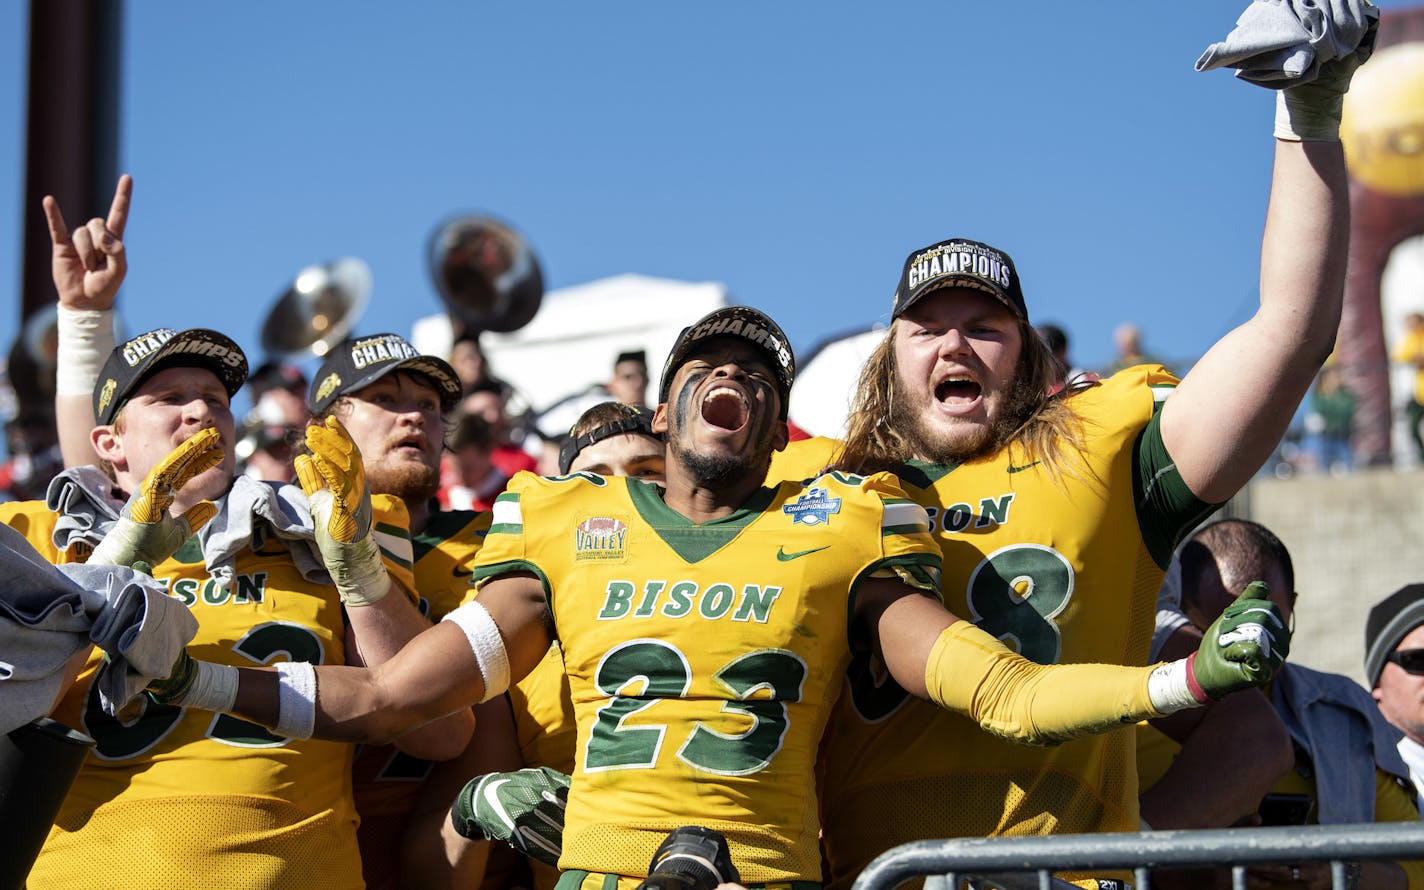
(136, 358)
(360, 361)
(742, 322)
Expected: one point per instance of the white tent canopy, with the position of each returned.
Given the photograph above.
(825, 382)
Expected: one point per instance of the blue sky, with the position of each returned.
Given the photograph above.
(794, 151)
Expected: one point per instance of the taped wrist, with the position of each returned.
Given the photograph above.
(214, 688)
(357, 570)
(1172, 687)
(296, 699)
(487, 643)
(974, 674)
(86, 337)
(1309, 113)
(128, 542)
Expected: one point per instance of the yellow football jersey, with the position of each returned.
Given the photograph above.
(388, 781)
(172, 797)
(702, 658)
(1063, 570)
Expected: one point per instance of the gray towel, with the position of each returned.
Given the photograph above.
(48, 613)
(247, 516)
(1283, 43)
(87, 504)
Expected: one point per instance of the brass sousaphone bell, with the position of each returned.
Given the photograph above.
(319, 309)
(486, 273)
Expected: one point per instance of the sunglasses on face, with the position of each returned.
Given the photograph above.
(1412, 660)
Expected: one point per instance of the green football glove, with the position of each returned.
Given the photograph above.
(525, 809)
(145, 534)
(1242, 648)
(176, 685)
(334, 480)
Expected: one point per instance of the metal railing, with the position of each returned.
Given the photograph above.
(1028, 863)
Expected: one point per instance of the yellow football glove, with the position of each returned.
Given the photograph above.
(335, 483)
(146, 534)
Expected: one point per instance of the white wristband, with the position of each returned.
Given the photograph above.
(86, 337)
(1168, 689)
(214, 687)
(487, 644)
(296, 699)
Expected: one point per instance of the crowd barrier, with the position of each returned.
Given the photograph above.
(1028, 863)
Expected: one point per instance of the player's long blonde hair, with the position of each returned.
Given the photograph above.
(1047, 427)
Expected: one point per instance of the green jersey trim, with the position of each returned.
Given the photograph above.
(923, 566)
(921, 473)
(1167, 510)
(440, 528)
(694, 541)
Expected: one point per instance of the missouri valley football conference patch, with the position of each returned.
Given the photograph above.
(601, 539)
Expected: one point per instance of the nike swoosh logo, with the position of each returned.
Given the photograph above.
(783, 556)
(492, 799)
(1014, 469)
(461, 573)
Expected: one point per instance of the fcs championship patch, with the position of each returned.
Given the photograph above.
(106, 395)
(328, 386)
(813, 508)
(601, 539)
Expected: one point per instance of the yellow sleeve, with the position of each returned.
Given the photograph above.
(1394, 804)
(1009, 696)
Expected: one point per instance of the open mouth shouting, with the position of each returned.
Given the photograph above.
(726, 408)
(958, 393)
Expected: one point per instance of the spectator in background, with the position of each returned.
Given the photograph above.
(1056, 339)
(34, 456)
(1410, 351)
(629, 385)
(630, 379)
(489, 400)
(1330, 422)
(467, 357)
(469, 480)
(1127, 340)
(266, 450)
(265, 440)
(1394, 669)
(279, 393)
(1347, 769)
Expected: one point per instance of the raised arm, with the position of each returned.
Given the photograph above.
(1247, 387)
(88, 266)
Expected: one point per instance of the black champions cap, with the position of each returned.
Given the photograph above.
(137, 358)
(360, 361)
(959, 262)
(736, 321)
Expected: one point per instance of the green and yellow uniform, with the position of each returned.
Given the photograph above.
(387, 781)
(1064, 570)
(177, 798)
(702, 659)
